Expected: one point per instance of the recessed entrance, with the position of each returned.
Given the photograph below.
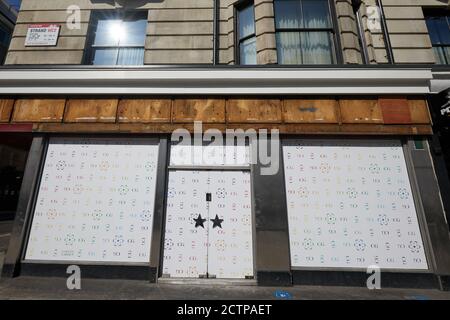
(208, 231)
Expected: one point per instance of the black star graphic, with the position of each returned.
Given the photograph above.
(217, 222)
(199, 221)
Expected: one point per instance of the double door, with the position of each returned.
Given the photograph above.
(208, 229)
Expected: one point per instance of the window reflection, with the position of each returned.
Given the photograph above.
(304, 32)
(439, 31)
(246, 34)
(119, 39)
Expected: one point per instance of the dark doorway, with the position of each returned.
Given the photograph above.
(14, 148)
(439, 105)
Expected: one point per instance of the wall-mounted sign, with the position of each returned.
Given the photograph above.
(42, 35)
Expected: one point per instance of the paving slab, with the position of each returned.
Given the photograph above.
(37, 288)
(5, 227)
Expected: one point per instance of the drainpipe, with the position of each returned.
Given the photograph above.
(387, 39)
(216, 16)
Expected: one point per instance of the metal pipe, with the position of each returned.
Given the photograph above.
(216, 32)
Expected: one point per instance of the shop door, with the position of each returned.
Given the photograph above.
(208, 231)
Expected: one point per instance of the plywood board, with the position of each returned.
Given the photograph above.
(254, 110)
(205, 110)
(144, 110)
(395, 110)
(38, 110)
(6, 107)
(310, 111)
(420, 113)
(91, 110)
(360, 111)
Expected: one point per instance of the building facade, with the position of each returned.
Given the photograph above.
(8, 16)
(12, 155)
(130, 173)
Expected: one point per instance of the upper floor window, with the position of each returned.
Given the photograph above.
(246, 33)
(439, 30)
(304, 32)
(5, 38)
(118, 38)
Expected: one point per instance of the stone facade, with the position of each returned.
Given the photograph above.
(181, 31)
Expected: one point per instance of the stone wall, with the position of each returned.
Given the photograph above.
(181, 31)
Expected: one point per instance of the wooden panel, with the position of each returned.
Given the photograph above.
(6, 106)
(91, 110)
(39, 110)
(205, 110)
(247, 110)
(419, 111)
(310, 111)
(360, 111)
(395, 110)
(144, 110)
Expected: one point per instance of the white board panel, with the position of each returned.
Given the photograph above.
(350, 205)
(185, 242)
(209, 155)
(230, 249)
(203, 237)
(95, 202)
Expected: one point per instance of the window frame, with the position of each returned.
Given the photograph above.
(438, 13)
(333, 30)
(240, 5)
(96, 15)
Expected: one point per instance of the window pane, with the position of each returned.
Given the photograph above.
(316, 14)
(246, 21)
(443, 30)
(287, 14)
(439, 55)
(289, 48)
(105, 57)
(131, 56)
(108, 33)
(317, 48)
(447, 54)
(432, 30)
(133, 33)
(439, 30)
(248, 51)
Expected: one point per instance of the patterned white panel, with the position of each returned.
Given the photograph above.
(350, 204)
(191, 251)
(189, 155)
(95, 202)
(185, 246)
(230, 250)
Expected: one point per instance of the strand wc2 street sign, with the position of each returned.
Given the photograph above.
(42, 35)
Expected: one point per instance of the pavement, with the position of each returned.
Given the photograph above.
(38, 288)
(5, 230)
